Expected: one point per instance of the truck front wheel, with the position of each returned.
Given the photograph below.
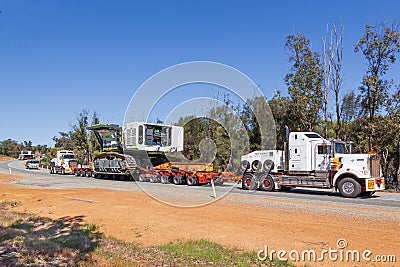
(348, 187)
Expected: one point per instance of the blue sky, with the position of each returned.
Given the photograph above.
(59, 57)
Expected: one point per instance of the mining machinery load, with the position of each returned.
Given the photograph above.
(131, 151)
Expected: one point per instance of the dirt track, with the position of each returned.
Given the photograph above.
(135, 217)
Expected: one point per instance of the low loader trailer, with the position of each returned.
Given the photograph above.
(182, 173)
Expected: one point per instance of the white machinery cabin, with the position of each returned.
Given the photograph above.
(153, 137)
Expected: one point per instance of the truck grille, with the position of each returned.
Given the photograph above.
(375, 166)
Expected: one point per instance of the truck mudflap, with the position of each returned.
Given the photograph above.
(375, 184)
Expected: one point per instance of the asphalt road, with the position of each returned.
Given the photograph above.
(381, 205)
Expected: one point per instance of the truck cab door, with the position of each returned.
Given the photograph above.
(322, 157)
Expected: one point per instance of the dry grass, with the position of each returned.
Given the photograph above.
(4, 158)
(36, 241)
(29, 240)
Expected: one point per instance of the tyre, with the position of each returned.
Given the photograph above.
(77, 173)
(191, 181)
(245, 165)
(348, 187)
(153, 179)
(246, 181)
(177, 180)
(142, 178)
(94, 175)
(88, 174)
(268, 165)
(83, 173)
(256, 165)
(255, 183)
(267, 183)
(164, 179)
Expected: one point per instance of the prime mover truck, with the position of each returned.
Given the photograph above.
(309, 160)
(64, 162)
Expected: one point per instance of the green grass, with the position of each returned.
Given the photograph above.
(205, 252)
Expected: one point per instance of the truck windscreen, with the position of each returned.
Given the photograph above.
(340, 148)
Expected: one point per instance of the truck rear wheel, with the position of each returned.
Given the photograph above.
(348, 187)
(267, 183)
(246, 181)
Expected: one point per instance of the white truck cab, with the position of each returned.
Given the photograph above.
(63, 163)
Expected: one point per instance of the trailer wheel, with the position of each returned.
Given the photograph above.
(256, 165)
(267, 183)
(164, 179)
(191, 181)
(268, 165)
(246, 181)
(142, 177)
(348, 187)
(177, 180)
(153, 178)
